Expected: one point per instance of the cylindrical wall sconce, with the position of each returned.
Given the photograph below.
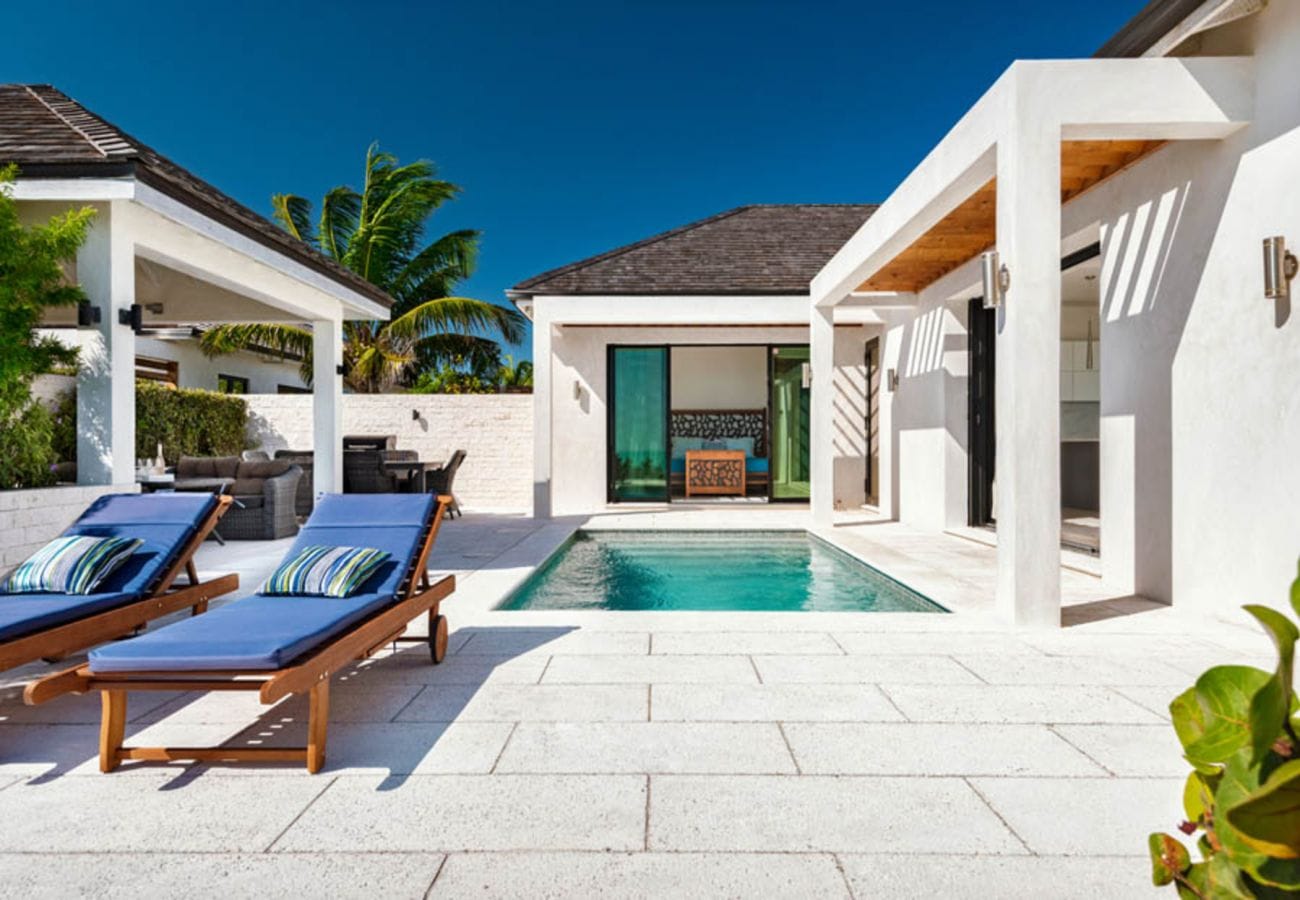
(996, 280)
(1279, 268)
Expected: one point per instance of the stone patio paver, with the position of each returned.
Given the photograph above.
(933, 669)
(650, 670)
(652, 747)
(771, 703)
(594, 876)
(530, 703)
(746, 642)
(997, 703)
(819, 813)
(473, 812)
(950, 749)
(954, 877)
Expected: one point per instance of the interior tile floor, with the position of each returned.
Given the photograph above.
(650, 754)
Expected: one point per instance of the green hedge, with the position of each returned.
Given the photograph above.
(188, 423)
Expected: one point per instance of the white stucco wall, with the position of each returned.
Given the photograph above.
(494, 430)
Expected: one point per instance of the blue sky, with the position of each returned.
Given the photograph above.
(573, 127)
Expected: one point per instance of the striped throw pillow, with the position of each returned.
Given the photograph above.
(325, 572)
(75, 564)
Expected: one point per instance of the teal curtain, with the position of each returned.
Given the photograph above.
(640, 421)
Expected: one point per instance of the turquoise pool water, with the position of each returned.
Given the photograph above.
(736, 570)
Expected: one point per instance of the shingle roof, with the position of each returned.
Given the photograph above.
(50, 135)
(761, 249)
(1149, 25)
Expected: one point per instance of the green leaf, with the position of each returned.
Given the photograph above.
(1169, 858)
(1216, 878)
(1272, 703)
(1188, 717)
(1225, 694)
(1240, 783)
(1269, 818)
(1295, 591)
(1198, 798)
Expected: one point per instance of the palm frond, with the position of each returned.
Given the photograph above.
(285, 341)
(293, 214)
(435, 270)
(459, 315)
(340, 211)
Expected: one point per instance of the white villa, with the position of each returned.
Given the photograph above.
(1138, 378)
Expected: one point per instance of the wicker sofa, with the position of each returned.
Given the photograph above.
(264, 493)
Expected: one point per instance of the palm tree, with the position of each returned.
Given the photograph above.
(515, 376)
(378, 232)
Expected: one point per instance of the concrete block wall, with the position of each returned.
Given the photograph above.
(495, 431)
(32, 518)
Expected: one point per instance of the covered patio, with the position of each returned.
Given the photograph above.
(1013, 176)
(167, 250)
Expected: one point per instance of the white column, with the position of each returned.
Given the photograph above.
(1028, 387)
(1120, 387)
(327, 406)
(106, 376)
(821, 347)
(542, 401)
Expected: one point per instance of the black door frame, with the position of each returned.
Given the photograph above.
(610, 456)
(871, 363)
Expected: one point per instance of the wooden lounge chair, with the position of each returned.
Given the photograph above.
(173, 526)
(278, 645)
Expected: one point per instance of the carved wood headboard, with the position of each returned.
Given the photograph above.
(715, 424)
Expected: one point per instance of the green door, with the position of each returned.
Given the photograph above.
(638, 424)
(790, 410)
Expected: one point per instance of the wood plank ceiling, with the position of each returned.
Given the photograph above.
(971, 228)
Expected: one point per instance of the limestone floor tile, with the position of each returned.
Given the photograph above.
(1156, 699)
(1072, 642)
(349, 702)
(875, 643)
(1132, 750)
(530, 703)
(744, 642)
(553, 642)
(862, 670)
(653, 747)
(1048, 670)
(218, 876)
(474, 812)
(1010, 704)
(949, 749)
(770, 703)
(468, 669)
(375, 748)
(47, 751)
(588, 876)
(1094, 816)
(168, 812)
(79, 708)
(650, 670)
(816, 813)
(883, 877)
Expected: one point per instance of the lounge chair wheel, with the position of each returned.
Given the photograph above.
(438, 639)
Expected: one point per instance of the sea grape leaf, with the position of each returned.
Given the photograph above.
(1272, 703)
(1240, 782)
(1269, 818)
(1169, 858)
(1295, 591)
(1198, 797)
(1224, 694)
(1218, 878)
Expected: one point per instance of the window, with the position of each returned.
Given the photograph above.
(291, 389)
(232, 384)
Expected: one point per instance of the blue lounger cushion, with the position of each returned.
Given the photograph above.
(165, 522)
(263, 632)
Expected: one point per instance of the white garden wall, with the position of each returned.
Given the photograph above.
(494, 430)
(30, 519)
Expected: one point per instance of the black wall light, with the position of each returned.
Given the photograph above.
(133, 317)
(88, 314)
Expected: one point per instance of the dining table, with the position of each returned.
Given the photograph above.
(411, 472)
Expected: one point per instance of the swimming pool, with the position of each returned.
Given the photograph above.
(710, 570)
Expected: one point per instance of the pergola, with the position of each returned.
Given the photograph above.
(1005, 177)
(174, 251)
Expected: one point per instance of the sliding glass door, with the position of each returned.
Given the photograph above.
(638, 424)
(790, 398)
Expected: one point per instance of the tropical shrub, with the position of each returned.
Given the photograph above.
(187, 422)
(31, 282)
(1238, 726)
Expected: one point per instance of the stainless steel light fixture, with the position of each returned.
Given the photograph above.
(1279, 268)
(996, 280)
(891, 379)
